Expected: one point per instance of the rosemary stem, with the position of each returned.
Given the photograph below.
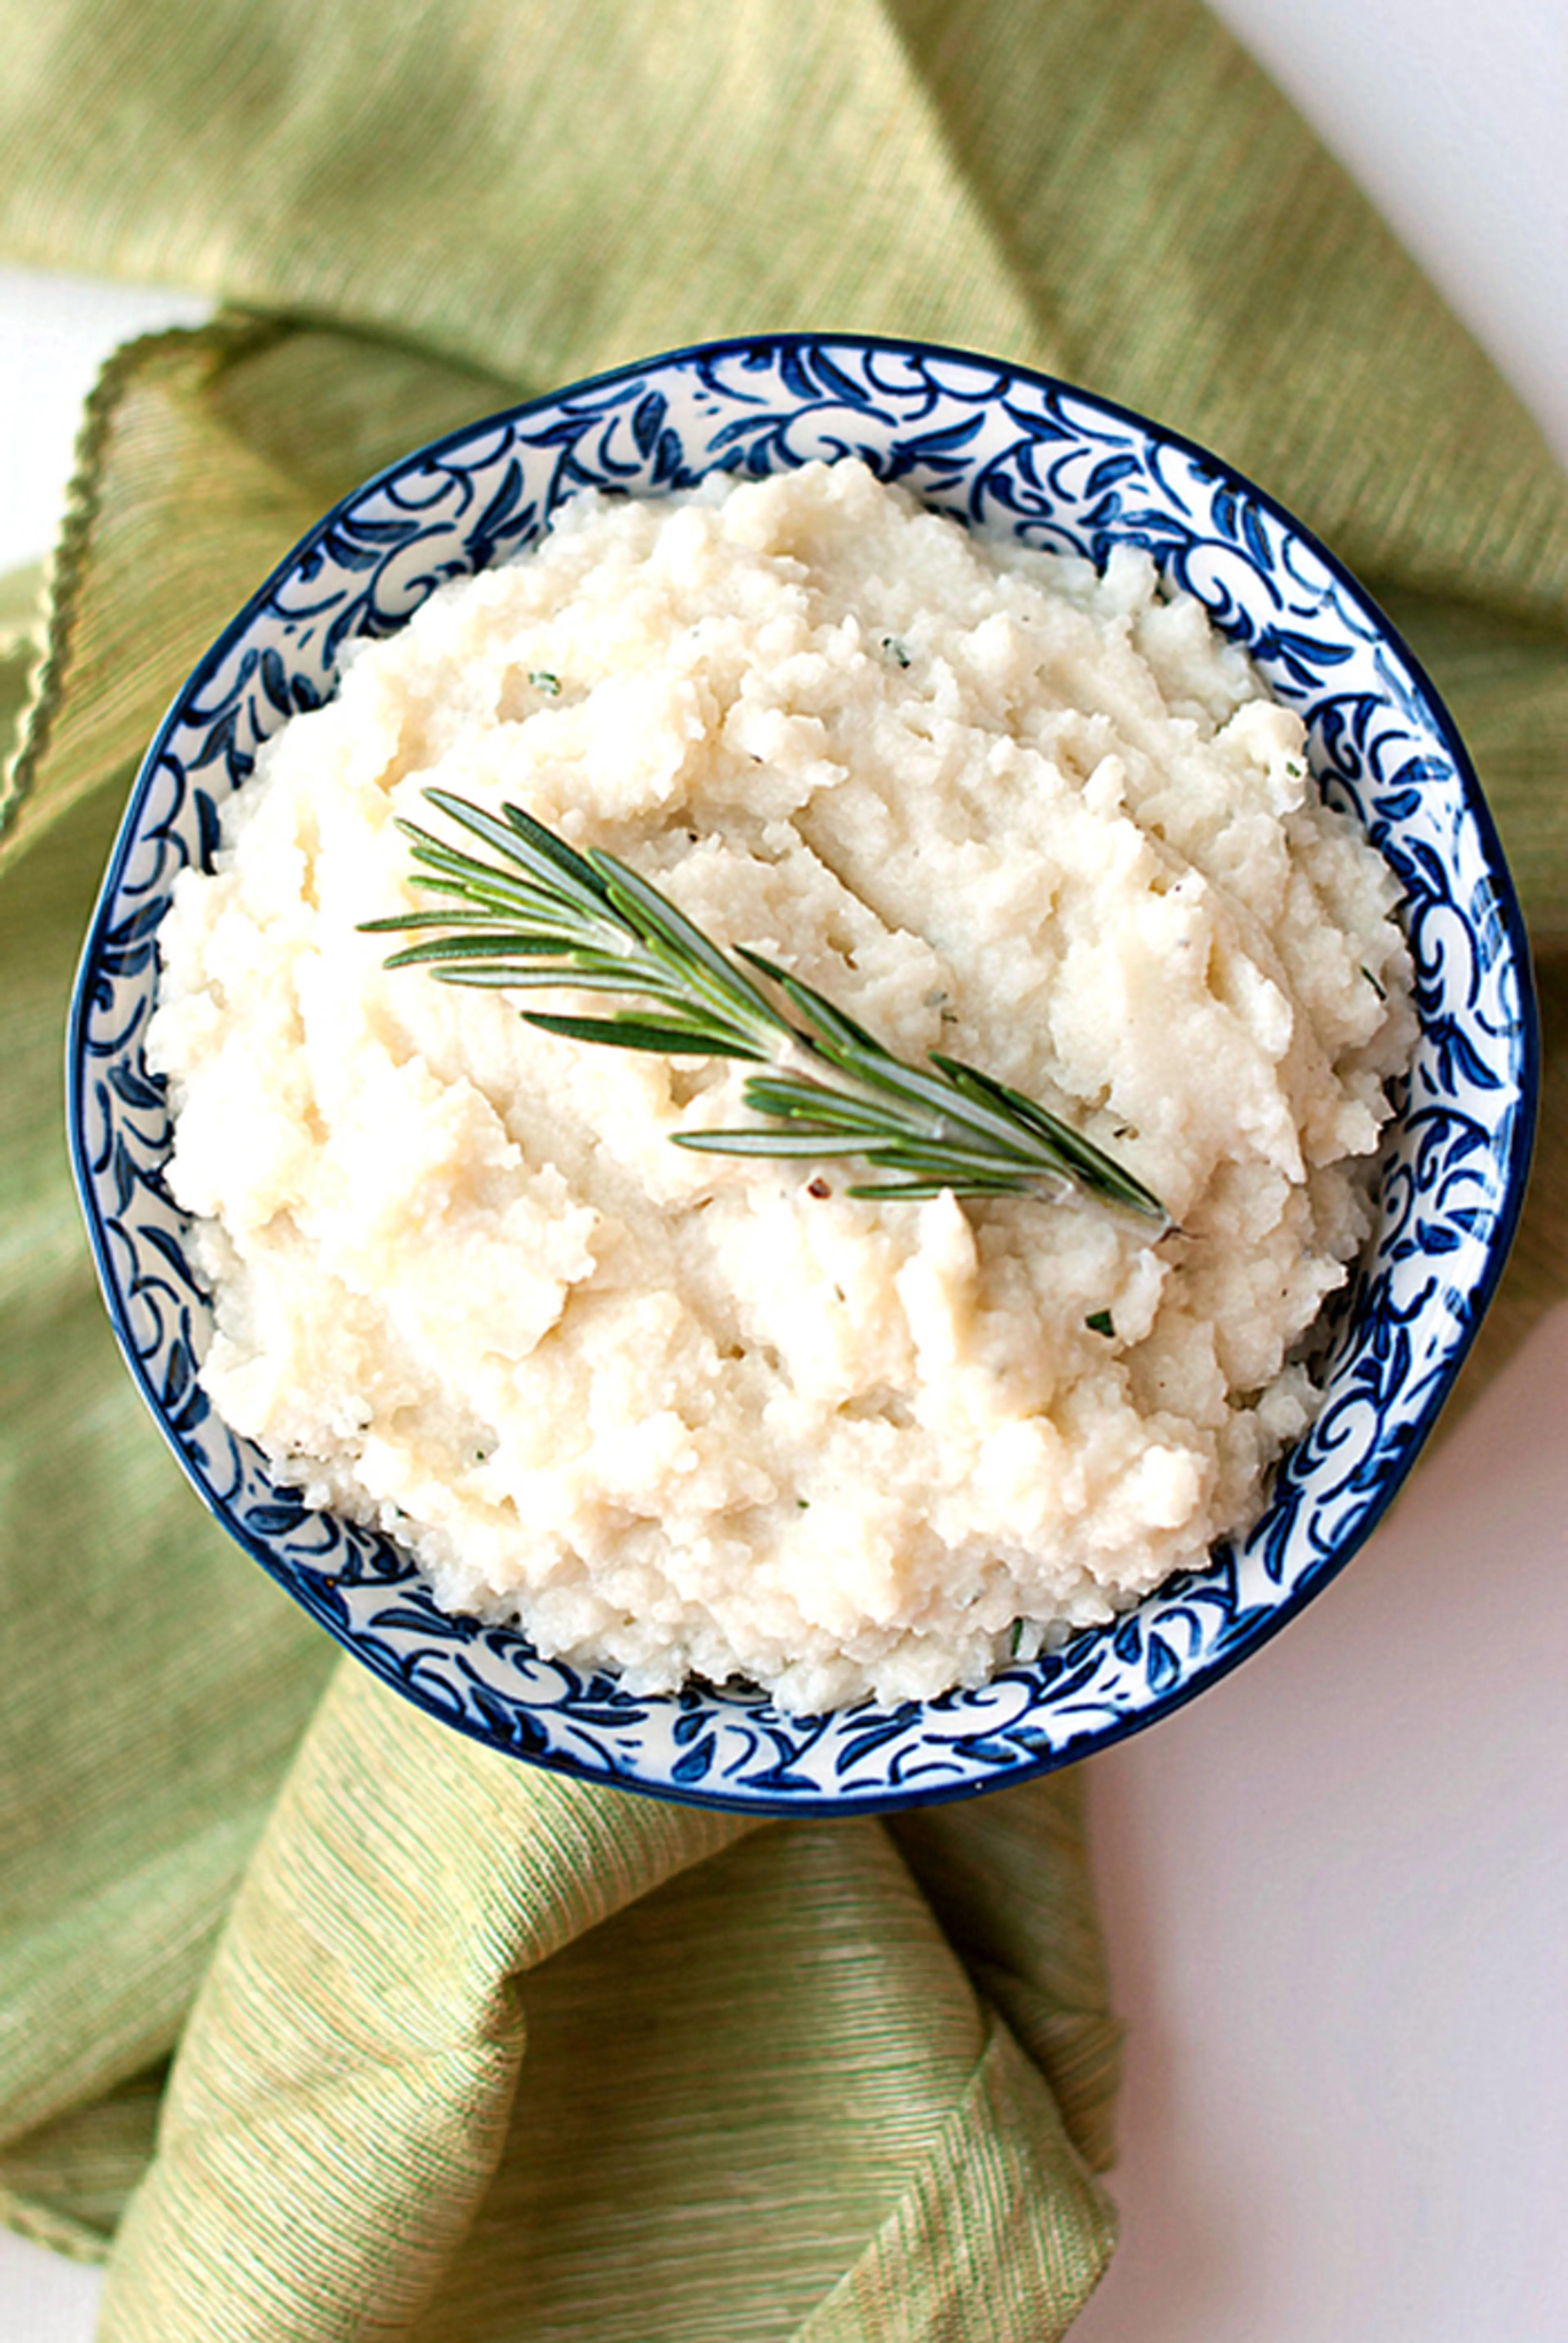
(557, 917)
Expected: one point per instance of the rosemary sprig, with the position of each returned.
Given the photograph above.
(551, 917)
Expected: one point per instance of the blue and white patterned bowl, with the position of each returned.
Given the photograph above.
(1009, 452)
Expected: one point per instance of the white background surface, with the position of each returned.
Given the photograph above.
(1335, 1887)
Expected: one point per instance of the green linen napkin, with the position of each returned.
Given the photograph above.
(466, 2051)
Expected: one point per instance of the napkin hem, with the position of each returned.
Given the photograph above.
(65, 568)
(44, 2225)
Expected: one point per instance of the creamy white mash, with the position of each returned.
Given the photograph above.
(683, 1413)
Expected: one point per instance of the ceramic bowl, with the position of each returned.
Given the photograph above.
(1010, 452)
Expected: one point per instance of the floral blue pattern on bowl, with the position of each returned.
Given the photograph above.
(1008, 451)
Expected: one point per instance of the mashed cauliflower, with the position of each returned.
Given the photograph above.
(683, 1413)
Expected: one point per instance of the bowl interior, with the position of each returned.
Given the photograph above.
(1009, 452)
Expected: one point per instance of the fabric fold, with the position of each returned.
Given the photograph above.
(1002, 2161)
(651, 2081)
(346, 2074)
(66, 2184)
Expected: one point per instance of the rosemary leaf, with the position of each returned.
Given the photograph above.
(671, 1041)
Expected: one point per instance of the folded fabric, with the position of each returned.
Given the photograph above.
(761, 2095)
(466, 2050)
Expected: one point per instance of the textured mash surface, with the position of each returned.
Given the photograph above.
(686, 1414)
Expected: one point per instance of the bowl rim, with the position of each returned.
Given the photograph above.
(1514, 1169)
